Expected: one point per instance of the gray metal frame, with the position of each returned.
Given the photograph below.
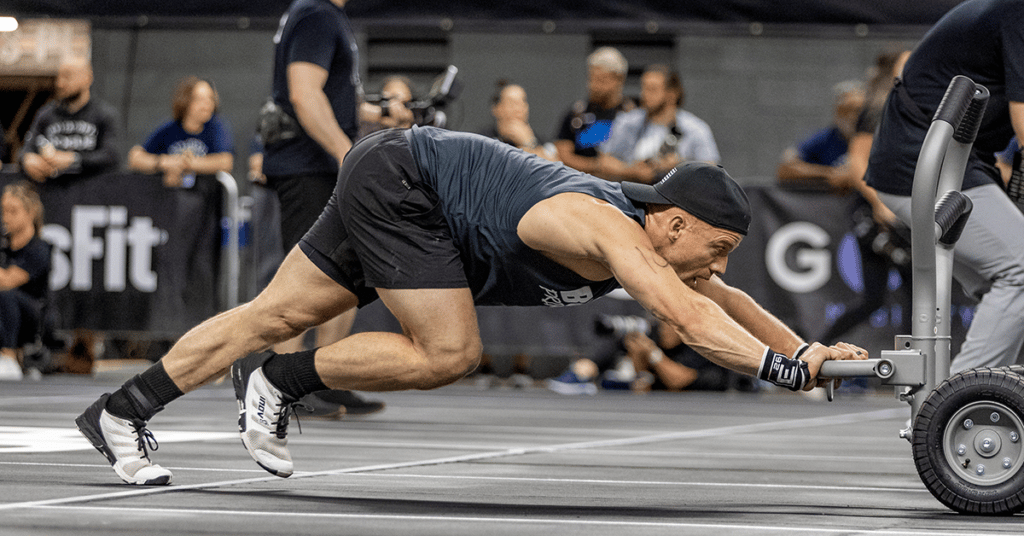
(920, 361)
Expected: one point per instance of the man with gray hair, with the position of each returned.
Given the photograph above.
(588, 123)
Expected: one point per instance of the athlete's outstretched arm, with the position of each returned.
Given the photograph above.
(583, 233)
(749, 314)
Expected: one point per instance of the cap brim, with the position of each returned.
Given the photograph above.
(645, 193)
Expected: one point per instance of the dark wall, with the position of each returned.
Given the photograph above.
(803, 11)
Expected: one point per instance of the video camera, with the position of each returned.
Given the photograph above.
(428, 111)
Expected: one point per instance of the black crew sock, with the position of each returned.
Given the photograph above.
(294, 374)
(144, 395)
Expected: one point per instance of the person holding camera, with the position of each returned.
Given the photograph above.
(644, 357)
(24, 274)
(395, 94)
(315, 101)
(646, 142)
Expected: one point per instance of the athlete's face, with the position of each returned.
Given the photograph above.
(694, 248)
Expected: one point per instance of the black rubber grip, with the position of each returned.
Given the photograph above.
(956, 101)
(967, 130)
(951, 215)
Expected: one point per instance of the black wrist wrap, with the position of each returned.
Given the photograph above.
(776, 368)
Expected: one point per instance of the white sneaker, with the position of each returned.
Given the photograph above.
(262, 415)
(124, 443)
(9, 368)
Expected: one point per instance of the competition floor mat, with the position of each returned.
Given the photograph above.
(463, 461)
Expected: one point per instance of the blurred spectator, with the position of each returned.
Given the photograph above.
(313, 118)
(24, 274)
(882, 241)
(822, 156)
(1005, 159)
(74, 134)
(645, 357)
(647, 142)
(972, 40)
(589, 122)
(194, 141)
(395, 93)
(511, 121)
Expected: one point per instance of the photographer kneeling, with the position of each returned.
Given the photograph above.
(645, 357)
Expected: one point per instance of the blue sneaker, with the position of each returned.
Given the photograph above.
(571, 384)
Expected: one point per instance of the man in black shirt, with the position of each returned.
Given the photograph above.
(983, 40)
(316, 84)
(589, 122)
(75, 134)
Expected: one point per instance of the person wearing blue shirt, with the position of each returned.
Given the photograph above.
(194, 141)
(589, 122)
(821, 156)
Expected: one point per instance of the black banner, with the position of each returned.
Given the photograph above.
(801, 262)
(130, 254)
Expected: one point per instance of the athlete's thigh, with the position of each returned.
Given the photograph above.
(441, 319)
(302, 292)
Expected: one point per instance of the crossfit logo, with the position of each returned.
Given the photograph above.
(125, 249)
(796, 257)
(555, 298)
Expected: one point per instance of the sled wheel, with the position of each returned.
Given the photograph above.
(968, 445)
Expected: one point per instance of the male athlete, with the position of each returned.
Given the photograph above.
(433, 223)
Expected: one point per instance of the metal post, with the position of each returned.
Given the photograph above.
(230, 271)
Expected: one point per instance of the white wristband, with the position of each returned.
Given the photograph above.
(655, 356)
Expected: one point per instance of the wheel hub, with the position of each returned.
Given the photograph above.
(982, 443)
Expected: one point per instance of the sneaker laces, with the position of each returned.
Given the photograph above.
(287, 410)
(144, 438)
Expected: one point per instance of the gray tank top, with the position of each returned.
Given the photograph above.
(485, 187)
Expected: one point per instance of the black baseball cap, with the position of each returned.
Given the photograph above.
(702, 189)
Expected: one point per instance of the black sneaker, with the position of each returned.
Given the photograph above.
(333, 405)
(124, 443)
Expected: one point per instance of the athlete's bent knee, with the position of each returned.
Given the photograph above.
(451, 366)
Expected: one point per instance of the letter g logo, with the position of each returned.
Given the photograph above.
(811, 262)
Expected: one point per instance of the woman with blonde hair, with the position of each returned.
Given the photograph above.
(24, 274)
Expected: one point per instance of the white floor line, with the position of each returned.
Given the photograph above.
(648, 482)
(783, 529)
(711, 432)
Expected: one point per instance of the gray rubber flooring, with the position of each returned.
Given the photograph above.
(461, 461)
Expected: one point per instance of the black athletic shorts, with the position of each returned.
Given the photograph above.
(383, 227)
